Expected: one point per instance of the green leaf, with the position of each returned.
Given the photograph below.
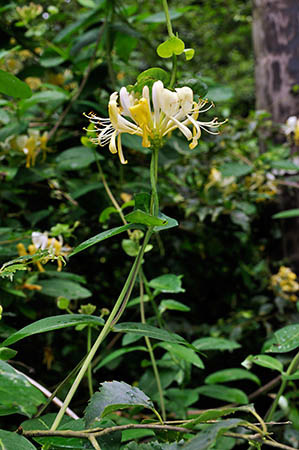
(224, 393)
(11, 85)
(160, 16)
(117, 354)
(45, 422)
(100, 237)
(51, 324)
(172, 46)
(286, 214)
(172, 305)
(150, 331)
(69, 289)
(13, 441)
(182, 352)
(169, 223)
(149, 76)
(12, 129)
(211, 343)
(138, 216)
(87, 3)
(222, 376)
(106, 213)
(115, 395)
(189, 53)
(7, 353)
(76, 158)
(154, 445)
(286, 339)
(266, 361)
(293, 376)
(167, 283)
(284, 165)
(235, 169)
(16, 393)
(206, 438)
(142, 201)
(50, 96)
(220, 93)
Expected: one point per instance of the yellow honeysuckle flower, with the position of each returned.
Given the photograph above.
(151, 118)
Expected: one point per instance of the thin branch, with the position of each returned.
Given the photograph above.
(80, 89)
(49, 394)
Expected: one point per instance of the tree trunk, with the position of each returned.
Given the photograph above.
(276, 45)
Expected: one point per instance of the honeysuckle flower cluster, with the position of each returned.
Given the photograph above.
(41, 241)
(152, 117)
(285, 284)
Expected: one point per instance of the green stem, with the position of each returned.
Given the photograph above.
(150, 349)
(123, 297)
(167, 16)
(154, 178)
(173, 71)
(292, 368)
(89, 373)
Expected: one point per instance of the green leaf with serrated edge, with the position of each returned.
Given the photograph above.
(167, 283)
(69, 289)
(172, 46)
(170, 223)
(143, 201)
(189, 53)
(182, 352)
(213, 414)
(266, 361)
(222, 376)
(150, 331)
(51, 324)
(117, 354)
(115, 395)
(138, 216)
(224, 393)
(172, 305)
(100, 237)
(286, 214)
(211, 343)
(286, 339)
(13, 441)
(11, 85)
(206, 438)
(7, 353)
(16, 393)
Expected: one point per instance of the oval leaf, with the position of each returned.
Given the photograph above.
(287, 214)
(225, 375)
(266, 361)
(51, 324)
(11, 85)
(286, 338)
(211, 343)
(150, 331)
(185, 353)
(224, 393)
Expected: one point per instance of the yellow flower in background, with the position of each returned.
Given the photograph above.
(31, 145)
(285, 283)
(33, 82)
(152, 118)
(41, 241)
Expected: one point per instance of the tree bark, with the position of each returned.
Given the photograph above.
(276, 46)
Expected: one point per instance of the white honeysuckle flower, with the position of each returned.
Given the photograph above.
(40, 240)
(152, 118)
(291, 124)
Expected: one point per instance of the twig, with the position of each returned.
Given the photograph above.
(265, 388)
(87, 434)
(94, 443)
(48, 394)
(80, 89)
